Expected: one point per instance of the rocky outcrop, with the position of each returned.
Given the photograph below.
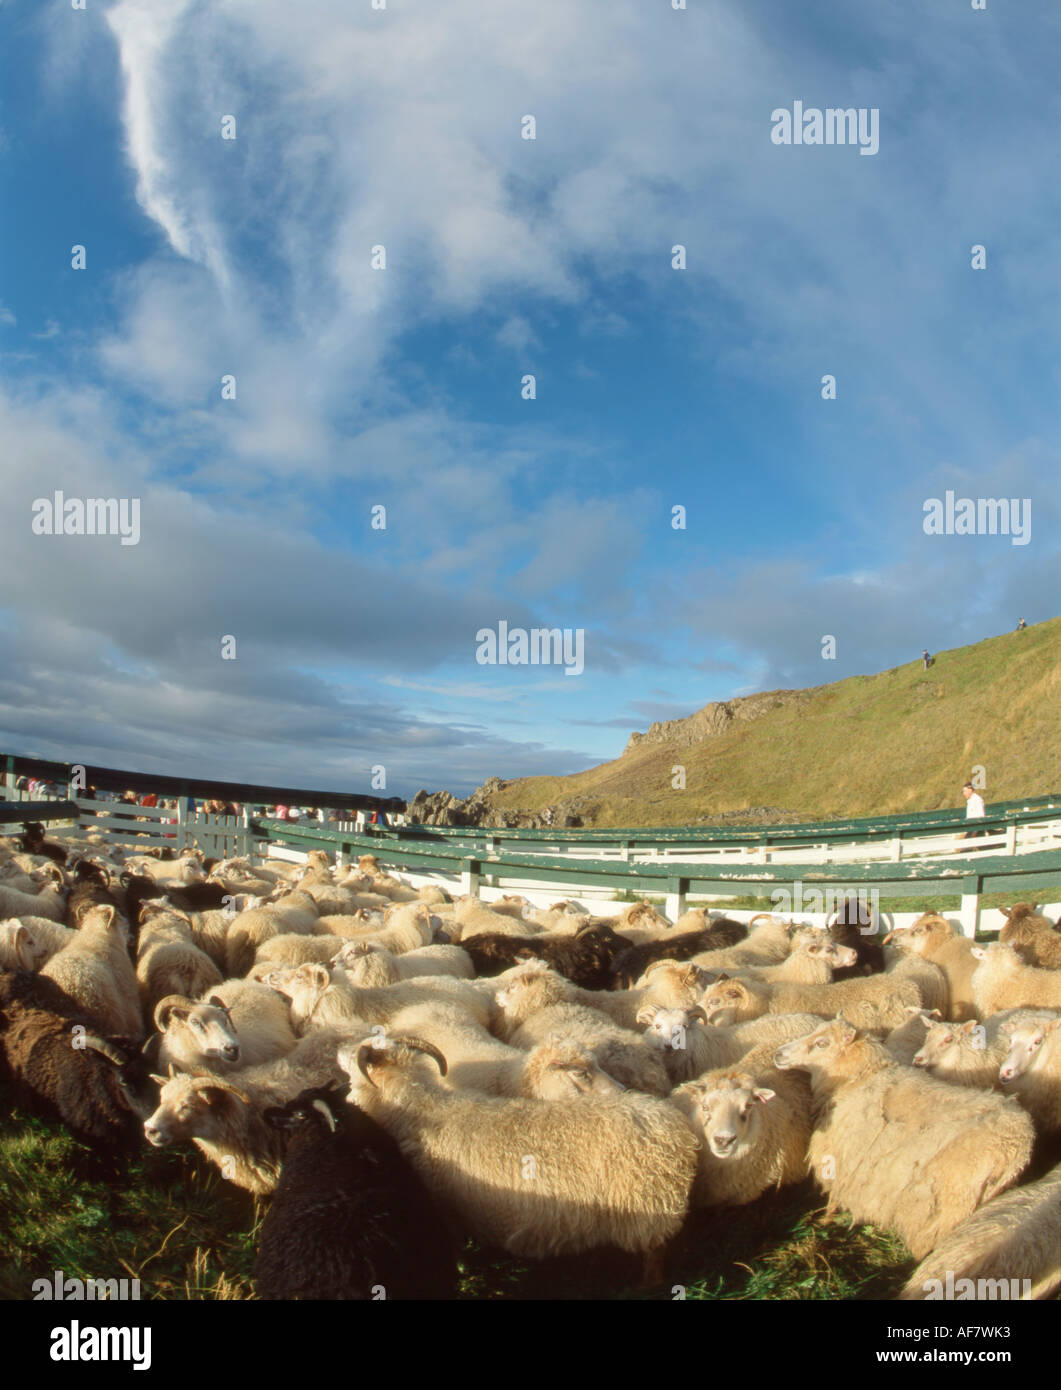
(713, 719)
(443, 808)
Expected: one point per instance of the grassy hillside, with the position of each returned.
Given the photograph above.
(905, 739)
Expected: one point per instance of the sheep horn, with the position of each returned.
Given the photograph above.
(429, 1050)
(215, 1083)
(696, 1012)
(752, 920)
(329, 1118)
(363, 1053)
(163, 1007)
(105, 1049)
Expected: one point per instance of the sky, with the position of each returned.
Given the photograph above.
(655, 387)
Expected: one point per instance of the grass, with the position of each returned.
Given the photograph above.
(901, 740)
(185, 1233)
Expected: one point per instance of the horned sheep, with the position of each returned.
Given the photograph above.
(607, 1170)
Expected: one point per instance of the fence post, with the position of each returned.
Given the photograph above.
(969, 914)
(470, 869)
(675, 903)
(182, 813)
(1011, 838)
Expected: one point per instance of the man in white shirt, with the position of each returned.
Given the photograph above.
(974, 803)
(974, 810)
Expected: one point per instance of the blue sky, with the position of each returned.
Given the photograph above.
(655, 387)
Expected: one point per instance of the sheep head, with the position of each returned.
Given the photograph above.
(728, 1110)
(1030, 1034)
(18, 949)
(818, 1050)
(380, 1057)
(668, 1027)
(562, 1068)
(209, 1025)
(193, 1107)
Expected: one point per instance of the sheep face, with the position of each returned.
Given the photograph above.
(18, 949)
(644, 915)
(209, 1025)
(920, 938)
(944, 1039)
(667, 1028)
(819, 1050)
(726, 1000)
(192, 1107)
(1027, 1036)
(728, 1110)
(304, 986)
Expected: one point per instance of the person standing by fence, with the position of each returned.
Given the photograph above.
(974, 809)
(926, 659)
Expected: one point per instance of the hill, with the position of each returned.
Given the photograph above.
(905, 739)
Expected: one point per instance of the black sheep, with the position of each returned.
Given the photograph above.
(91, 1088)
(632, 964)
(350, 1218)
(32, 841)
(855, 924)
(585, 958)
(189, 897)
(91, 886)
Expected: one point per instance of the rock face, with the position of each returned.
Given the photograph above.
(443, 808)
(713, 719)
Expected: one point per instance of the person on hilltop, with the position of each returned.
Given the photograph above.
(926, 659)
(1021, 625)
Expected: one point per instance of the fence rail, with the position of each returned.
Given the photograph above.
(968, 875)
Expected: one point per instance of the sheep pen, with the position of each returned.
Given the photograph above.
(778, 1242)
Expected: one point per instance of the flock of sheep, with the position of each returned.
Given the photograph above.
(396, 1071)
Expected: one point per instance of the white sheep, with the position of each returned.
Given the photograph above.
(753, 1123)
(322, 998)
(933, 937)
(169, 962)
(239, 1024)
(1003, 981)
(94, 968)
(897, 1148)
(869, 1001)
(1031, 1065)
(535, 1178)
(368, 963)
(688, 1048)
(534, 1004)
(33, 938)
(1010, 1247)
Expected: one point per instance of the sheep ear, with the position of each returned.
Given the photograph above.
(848, 1032)
(763, 1093)
(648, 1013)
(979, 953)
(25, 946)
